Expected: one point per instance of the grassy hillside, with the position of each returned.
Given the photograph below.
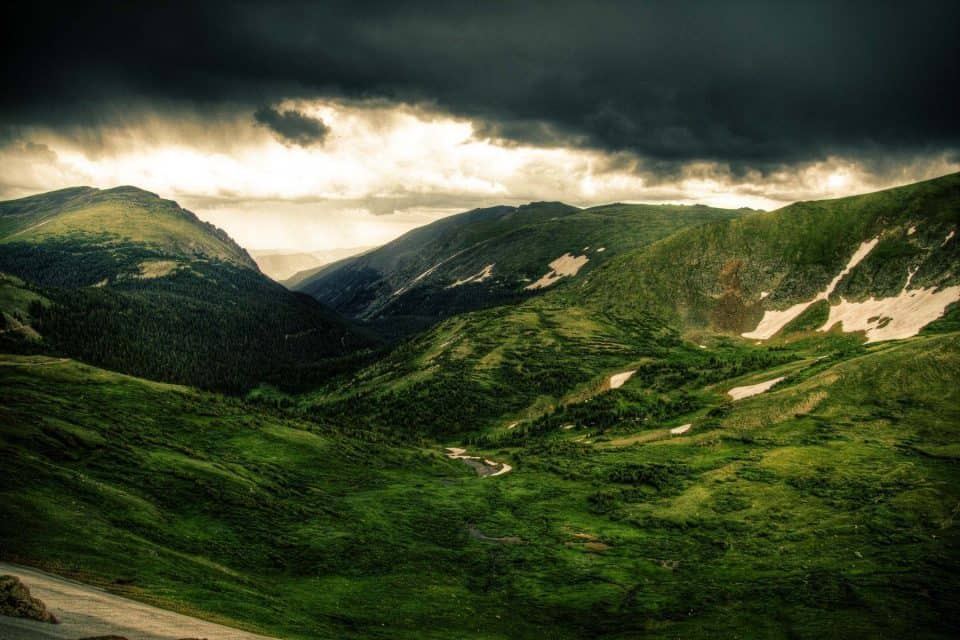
(115, 218)
(824, 508)
(488, 257)
(137, 284)
(715, 276)
(690, 295)
(648, 493)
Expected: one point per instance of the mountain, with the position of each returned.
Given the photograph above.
(133, 282)
(882, 265)
(747, 428)
(281, 265)
(893, 254)
(487, 257)
(285, 266)
(293, 282)
(115, 219)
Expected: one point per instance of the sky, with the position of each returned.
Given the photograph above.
(312, 126)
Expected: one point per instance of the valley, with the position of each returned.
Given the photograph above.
(725, 424)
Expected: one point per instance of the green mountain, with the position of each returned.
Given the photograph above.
(488, 257)
(747, 428)
(898, 246)
(116, 220)
(688, 298)
(127, 280)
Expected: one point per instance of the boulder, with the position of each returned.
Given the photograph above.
(16, 601)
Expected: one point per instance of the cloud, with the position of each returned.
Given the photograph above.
(442, 107)
(38, 152)
(292, 127)
(392, 167)
(388, 158)
(752, 84)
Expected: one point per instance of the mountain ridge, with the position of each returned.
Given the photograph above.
(125, 213)
(488, 257)
(138, 284)
(791, 254)
(689, 296)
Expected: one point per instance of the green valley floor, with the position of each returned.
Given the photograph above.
(824, 507)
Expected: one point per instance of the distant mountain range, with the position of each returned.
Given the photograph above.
(282, 265)
(487, 257)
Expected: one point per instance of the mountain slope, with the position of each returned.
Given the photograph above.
(487, 257)
(137, 284)
(113, 218)
(294, 281)
(679, 307)
(729, 276)
(668, 477)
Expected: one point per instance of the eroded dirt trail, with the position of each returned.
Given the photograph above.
(85, 611)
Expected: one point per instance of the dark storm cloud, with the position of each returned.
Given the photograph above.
(39, 151)
(751, 84)
(292, 127)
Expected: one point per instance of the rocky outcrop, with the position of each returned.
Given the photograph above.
(16, 601)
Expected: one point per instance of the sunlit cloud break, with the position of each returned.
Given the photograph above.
(322, 174)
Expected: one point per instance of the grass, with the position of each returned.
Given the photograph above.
(126, 280)
(519, 243)
(123, 214)
(824, 508)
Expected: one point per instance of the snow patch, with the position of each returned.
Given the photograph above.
(676, 431)
(565, 265)
(739, 393)
(948, 238)
(426, 273)
(617, 380)
(764, 294)
(480, 276)
(418, 279)
(601, 249)
(431, 270)
(773, 321)
(893, 318)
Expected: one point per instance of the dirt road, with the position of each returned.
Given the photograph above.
(86, 611)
